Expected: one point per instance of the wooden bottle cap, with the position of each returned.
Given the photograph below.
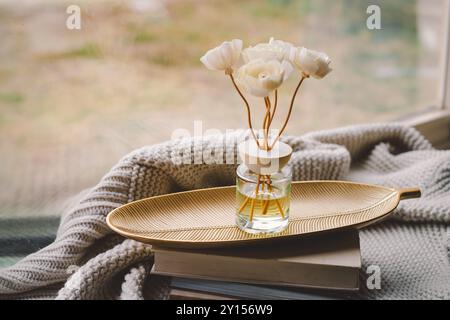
(262, 161)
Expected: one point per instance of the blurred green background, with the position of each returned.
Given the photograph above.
(74, 101)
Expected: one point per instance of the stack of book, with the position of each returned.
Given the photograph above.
(318, 267)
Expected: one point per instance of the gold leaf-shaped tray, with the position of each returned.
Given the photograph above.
(205, 218)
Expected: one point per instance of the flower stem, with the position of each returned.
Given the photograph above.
(249, 117)
(290, 111)
(266, 123)
(274, 108)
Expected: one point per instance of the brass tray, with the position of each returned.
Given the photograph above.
(205, 218)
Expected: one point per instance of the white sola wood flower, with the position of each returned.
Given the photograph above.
(260, 77)
(224, 57)
(312, 63)
(267, 66)
(274, 49)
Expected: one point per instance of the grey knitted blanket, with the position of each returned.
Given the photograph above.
(88, 261)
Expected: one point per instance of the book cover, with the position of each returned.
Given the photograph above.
(330, 261)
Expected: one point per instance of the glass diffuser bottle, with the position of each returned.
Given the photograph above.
(263, 188)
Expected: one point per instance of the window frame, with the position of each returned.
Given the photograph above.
(444, 96)
(434, 123)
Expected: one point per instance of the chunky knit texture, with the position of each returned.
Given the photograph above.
(88, 261)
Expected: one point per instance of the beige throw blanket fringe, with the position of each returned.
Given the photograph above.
(88, 261)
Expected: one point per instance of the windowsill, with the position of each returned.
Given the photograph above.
(434, 124)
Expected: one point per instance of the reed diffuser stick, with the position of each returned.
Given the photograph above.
(266, 123)
(249, 116)
(244, 204)
(274, 108)
(252, 209)
(290, 110)
(280, 208)
(267, 202)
